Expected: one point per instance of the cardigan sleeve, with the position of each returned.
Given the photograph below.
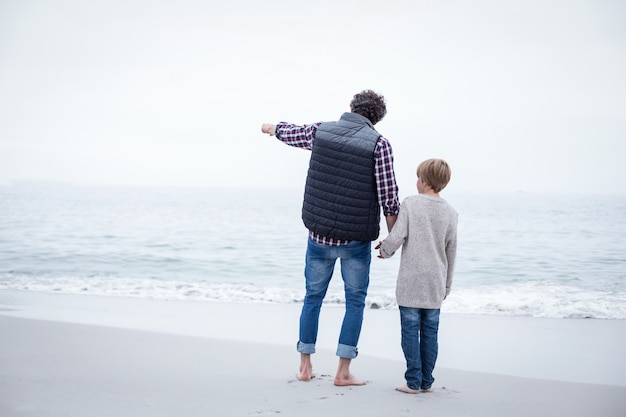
(398, 234)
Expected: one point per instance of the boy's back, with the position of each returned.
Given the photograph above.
(427, 231)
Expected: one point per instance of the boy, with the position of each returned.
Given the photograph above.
(426, 229)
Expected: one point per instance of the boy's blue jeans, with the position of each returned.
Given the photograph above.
(355, 259)
(419, 344)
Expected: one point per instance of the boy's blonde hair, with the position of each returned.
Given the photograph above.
(435, 172)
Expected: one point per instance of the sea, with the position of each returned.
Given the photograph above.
(519, 254)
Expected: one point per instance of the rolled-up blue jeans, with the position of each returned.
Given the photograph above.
(355, 259)
(420, 345)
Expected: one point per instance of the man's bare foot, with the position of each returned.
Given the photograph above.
(350, 380)
(427, 390)
(306, 368)
(404, 388)
(344, 378)
(306, 374)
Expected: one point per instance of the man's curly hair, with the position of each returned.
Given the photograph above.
(369, 104)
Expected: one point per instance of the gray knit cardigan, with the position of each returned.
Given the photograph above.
(427, 231)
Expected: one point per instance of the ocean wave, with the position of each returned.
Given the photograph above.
(522, 299)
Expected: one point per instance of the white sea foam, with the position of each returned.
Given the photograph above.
(526, 299)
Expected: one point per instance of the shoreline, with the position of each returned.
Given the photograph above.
(549, 349)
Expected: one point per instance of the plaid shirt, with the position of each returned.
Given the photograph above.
(387, 189)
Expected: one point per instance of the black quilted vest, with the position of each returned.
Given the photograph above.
(340, 198)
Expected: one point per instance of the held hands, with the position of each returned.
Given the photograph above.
(268, 128)
(380, 255)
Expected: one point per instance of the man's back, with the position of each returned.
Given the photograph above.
(340, 199)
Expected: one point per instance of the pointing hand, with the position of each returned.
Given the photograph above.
(268, 128)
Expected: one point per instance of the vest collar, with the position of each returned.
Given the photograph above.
(356, 118)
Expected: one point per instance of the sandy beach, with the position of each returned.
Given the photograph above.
(80, 355)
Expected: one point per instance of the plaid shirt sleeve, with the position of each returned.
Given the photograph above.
(386, 178)
(297, 136)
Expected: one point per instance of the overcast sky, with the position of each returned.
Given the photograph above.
(515, 95)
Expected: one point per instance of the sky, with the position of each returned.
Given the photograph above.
(517, 96)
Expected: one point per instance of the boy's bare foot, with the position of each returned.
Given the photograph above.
(404, 388)
(350, 380)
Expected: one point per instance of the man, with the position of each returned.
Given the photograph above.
(350, 177)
